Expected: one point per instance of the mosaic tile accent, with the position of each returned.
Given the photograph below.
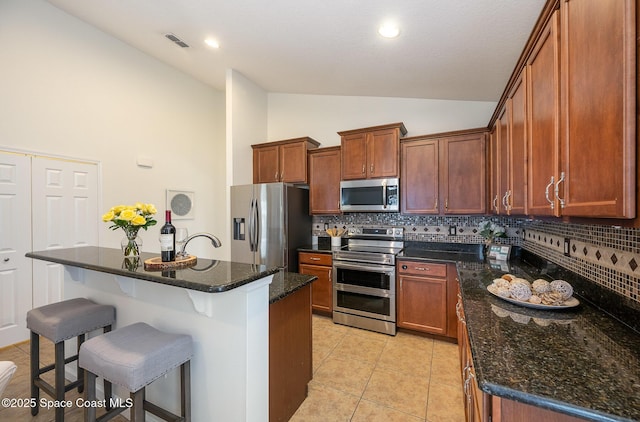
(607, 255)
(422, 228)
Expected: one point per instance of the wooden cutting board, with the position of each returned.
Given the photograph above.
(180, 262)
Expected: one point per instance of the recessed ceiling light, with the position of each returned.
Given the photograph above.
(212, 43)
(389, 30)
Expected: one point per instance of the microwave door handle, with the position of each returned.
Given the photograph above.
(384, 194)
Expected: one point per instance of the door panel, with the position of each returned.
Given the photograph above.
(65, 215)
(15, 242)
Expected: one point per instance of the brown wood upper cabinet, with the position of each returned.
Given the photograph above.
(324, 180)
(581, 92)
(371, 153)
(444, 173)
(598, 111)
(508, 154)
(282, 161)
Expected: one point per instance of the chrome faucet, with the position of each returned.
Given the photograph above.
(214, 241)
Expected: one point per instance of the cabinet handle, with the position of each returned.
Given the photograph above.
(313, 258)
(372, 168)
(446, 204)
(329, 275)
(509, 200)
(546, 192)
(495, 203)
(281, 176)
(276, 176)
(504, 201)
(363, 168)
(422, 268)
(435, 207)
(6, 260)
(557, 190)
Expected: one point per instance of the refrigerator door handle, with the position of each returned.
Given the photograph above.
(251, 224)
(256, 225)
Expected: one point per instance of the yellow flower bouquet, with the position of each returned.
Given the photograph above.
(131, 218)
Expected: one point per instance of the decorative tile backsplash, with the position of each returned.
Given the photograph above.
(606, 255)
(424, 228)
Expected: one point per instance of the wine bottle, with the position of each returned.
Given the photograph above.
(168, 239)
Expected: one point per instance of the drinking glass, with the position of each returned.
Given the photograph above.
(181, 237)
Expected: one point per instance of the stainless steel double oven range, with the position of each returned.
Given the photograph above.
(364, 278)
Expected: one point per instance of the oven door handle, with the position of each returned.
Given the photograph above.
(366, 267)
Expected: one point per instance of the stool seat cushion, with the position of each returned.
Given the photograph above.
(70, 318)
(135, 355)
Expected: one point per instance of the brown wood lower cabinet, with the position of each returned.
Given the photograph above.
(426, 297)
(290, 367)
(320, 265)
(483, 407)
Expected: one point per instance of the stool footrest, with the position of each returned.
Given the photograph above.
(162, 413)
(50, 390)
(48, 368)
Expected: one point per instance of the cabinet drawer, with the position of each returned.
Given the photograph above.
(422, 268)
(315, 258)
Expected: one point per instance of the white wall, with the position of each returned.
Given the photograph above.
(246, 124)
(70, 90)
(321, 116)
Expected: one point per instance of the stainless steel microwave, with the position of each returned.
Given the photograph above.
(370, 195)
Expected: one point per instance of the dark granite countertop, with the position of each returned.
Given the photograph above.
(285, 283)
(583, 361)
(207, 275)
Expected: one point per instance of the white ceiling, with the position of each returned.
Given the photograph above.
(447, 49)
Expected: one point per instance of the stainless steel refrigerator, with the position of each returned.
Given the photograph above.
(270, 221)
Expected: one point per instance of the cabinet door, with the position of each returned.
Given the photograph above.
(419, 190)
(354, 156)
(517, 149)
(543, 114)
(422, 304)
(502, 127)
(265, 164)
(598, 85)
(494, 168)
(324, 181)
(321, 289)
(462, 174)
(382, 153)
(293, 162)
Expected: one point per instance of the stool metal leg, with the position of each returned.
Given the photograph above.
(59, 380)
(80, 371)
(35, 366)
(108, 390)
(89, 395)
(185, 390)
(137, 411)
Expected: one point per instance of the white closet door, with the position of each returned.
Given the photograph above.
(65, 215)
(15, 242)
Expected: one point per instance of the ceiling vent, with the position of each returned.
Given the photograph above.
(176, 40)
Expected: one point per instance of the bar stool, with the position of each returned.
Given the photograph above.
(59, 322)
(133, 357)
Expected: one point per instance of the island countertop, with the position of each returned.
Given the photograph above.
(210, 276)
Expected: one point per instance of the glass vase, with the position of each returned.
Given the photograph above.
(131, 243)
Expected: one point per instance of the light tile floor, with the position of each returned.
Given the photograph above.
(360, 375)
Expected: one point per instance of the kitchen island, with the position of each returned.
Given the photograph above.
(581, 363)
(223, 305)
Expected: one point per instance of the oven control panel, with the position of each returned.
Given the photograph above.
(392, 233)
